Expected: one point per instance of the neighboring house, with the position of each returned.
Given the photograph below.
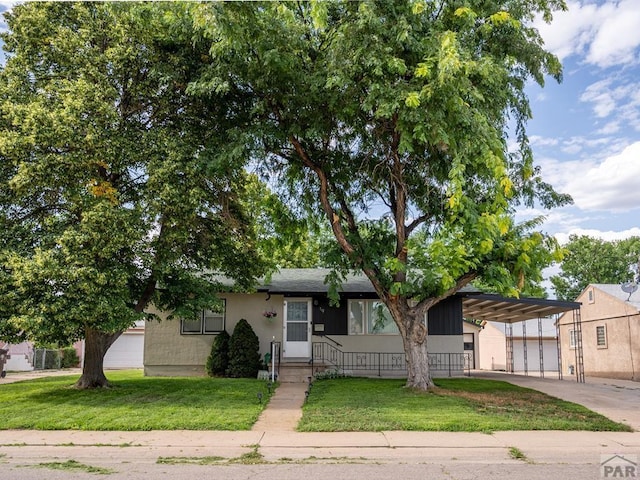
(126, 352)
(608, 330)
(529, 342)
(293, 310)
(20, 357)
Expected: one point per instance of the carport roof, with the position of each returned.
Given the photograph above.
(495, 308)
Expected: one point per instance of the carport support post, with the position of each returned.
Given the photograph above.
(524, 348)
(540, 347)
(559, 346)
(509, 335)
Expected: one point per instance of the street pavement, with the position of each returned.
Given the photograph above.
(273, 451)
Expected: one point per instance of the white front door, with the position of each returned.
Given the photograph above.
(297, 328)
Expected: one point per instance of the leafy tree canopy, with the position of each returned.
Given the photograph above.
(592, 260)
(391, 119)
(114, 181)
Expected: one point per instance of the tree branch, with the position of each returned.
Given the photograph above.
(427, 303)
(417, 222)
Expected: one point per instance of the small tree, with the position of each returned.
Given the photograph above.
(244, 351)
(218, 360)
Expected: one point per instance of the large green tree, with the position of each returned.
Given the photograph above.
(391, 118)
(593, 260)
(118, 190)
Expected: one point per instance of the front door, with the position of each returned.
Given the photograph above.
(297, 328)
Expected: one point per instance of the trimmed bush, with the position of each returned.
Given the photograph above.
(69, 358)
(244, 352)
(218, 360)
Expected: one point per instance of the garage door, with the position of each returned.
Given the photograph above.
(126, 352)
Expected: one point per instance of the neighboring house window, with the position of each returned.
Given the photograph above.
(208, 322)
(590, 295)
(370, 317)
(601, 336)
(573, 338)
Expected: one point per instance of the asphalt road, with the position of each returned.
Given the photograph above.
(334, 469)
(564, 459)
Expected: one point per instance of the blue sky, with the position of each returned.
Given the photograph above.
(586, 131)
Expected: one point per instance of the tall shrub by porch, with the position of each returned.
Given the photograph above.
(244, 351)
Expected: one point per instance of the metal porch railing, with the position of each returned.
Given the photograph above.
(379, 363)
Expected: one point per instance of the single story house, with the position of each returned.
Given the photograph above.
(607, 338)
(292, 311)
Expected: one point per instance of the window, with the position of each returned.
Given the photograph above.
(590, 295)
(370, 317)
(573, 338)
(207, 322)
(601, 336)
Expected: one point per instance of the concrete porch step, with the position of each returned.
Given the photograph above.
(296, 372)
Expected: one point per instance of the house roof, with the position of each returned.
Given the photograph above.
(476, 305)
(312, 280)
(614, 290)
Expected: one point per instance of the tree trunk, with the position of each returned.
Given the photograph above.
(414, 339)
(415, 349)
(96, 344)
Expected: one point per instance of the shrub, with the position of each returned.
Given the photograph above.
(69, 357)
(244, 351)
(218, 360)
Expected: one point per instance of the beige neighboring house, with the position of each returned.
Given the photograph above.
(610, 328)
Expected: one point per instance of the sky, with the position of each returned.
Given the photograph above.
(585, 131)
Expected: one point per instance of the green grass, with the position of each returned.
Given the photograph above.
(134, 403)
(73, 466)
(456, 405)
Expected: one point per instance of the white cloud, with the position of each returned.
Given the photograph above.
(609, 235)
(609, 128)
(605, 34)
(618, 36)
(537, 140)
(611, 185)
(615, 97)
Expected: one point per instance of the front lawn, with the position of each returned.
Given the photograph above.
(457, 405)
(135, 403)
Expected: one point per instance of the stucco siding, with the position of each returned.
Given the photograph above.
(620, 356)
(167, 352)
(492, 348)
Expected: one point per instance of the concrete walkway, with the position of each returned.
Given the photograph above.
(13, 377)
(284, 410)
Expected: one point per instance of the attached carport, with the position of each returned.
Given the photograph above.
(495, 308)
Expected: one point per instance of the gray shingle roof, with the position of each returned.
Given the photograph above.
(312, 280)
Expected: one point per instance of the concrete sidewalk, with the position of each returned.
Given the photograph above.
(391, 446)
